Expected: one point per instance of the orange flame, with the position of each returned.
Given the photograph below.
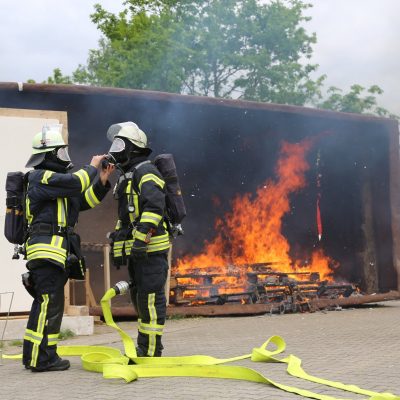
(251, 232)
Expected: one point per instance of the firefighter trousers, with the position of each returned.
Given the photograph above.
(148, 279)
(43, 328)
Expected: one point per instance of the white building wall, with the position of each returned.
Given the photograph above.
(16, 134)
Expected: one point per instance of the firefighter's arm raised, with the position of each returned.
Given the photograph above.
(98, 190)
(52, 184)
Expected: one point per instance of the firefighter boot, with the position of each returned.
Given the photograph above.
(59, 365)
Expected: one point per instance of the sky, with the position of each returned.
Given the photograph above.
(358, 41)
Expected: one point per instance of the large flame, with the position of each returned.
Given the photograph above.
(251, 232)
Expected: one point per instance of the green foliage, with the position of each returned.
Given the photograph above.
(178, 317)
(66, 334)
(223, 48)
(133, 53)
(175, 317)
(248, 49)
(355, 101)
(58, 78)
(17, 343)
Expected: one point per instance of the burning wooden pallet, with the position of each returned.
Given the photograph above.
(290, 291)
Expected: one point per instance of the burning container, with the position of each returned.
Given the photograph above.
(291, 190)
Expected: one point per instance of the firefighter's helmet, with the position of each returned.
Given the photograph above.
(49, 139)
(130, 131)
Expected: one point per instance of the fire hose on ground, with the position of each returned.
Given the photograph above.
(115, 365)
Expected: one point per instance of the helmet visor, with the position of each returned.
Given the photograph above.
(62, 154)
(117, 146)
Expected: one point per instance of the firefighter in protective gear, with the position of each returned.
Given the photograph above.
(54, 199)
(141, 239)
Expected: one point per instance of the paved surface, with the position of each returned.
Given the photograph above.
(359, 346)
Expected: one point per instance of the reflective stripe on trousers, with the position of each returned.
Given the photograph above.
(43, 327)
(148, 296)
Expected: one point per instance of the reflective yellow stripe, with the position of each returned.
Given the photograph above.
(84, 178)
(150, 217)
(33, 336)
(52, 339)
(118, 225)
(61, 209)
(50, 256)
(128, 246)
(159, 239)
(40, 328)
(129, 193)
(57, 241)
(29, 216)
(46, 176)
(158, 247)
(43, 250)
(117, 248)
(153, 321)
(53, 251)
(46, 247)
(136, 204)
(150, 329)
(151, 177)
(91, 198)
(139, 235)
(157, 243)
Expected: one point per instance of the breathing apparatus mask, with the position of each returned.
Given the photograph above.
(121, 153)
(64, 158)
(117, 153)
(58, 160)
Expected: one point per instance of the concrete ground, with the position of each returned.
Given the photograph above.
(359, 346)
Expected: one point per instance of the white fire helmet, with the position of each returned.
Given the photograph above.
(130, 131)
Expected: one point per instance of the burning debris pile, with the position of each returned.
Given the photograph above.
(232, 267)
(290, 291)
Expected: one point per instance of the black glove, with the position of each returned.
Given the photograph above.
(139, 251)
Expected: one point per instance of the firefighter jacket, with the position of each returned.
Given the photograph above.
(53, 203)
(141, 210)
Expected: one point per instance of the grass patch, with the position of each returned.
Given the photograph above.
(175, 317)
(66, 334)
(17, 343)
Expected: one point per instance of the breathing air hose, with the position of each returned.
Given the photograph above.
(115, 365)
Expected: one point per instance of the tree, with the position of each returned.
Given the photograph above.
(133, 52)
(353, 101)
(59, 78)
(221, 48)
(56, 78)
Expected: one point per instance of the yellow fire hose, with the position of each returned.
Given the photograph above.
(113, 364)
